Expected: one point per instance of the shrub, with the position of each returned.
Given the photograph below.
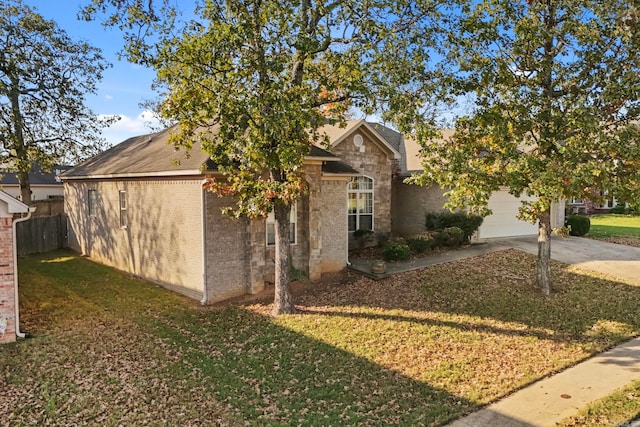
(439, 239)
(395, 251)
(579, 224)
(362, 233)
(364, 237)
(420, 244)
(455, 236)
(436, 221)
(618, 209)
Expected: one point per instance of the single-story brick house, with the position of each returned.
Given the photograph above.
(140, 207)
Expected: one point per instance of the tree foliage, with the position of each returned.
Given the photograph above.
(44, 77)
(556, 89)
(255, 80)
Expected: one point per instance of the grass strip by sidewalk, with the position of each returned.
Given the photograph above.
(614, 410)
(420, 348)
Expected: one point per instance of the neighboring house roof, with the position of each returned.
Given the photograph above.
(36, 176)
(151, 155)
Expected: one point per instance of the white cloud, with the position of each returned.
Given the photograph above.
(108, 97)
(127, 127)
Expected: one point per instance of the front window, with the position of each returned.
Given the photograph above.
(360, 194)
(271, 227)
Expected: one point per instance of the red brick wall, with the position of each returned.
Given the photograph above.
(7, 290)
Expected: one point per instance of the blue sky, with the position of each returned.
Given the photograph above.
(123, 87)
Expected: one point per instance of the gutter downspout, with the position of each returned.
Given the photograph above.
(205, 296)
(15, 269)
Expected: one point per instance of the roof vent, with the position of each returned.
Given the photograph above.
(358, 142)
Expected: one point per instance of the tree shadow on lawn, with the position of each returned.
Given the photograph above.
(261, 372)
(499, 286)
(269, 375)
(477, 328)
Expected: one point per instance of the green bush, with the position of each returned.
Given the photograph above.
(618, 209)
(455, 236)
(364, 237)
(579, 224)
(436, 221)
(362, 233)
(420, 244)
(395, 251)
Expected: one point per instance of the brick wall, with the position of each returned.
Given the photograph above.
(410, 203)
(227, 251)
(163, 240)
(334, 225)
(7, 289)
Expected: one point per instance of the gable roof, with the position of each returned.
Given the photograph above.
(411, 157)
(337, 134)
(37, 176)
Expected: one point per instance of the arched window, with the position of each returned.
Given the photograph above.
(360, 194)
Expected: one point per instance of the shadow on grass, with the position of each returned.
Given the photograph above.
(498, 286)
(259, 371)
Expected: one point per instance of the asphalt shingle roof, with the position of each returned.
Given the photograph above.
(36, 176)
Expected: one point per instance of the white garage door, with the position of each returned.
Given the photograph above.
(503, 222)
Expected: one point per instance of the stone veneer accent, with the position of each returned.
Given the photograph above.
(373, 163)
(7, 285)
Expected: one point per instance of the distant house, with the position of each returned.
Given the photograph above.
(140, 207)
(590, 207)
(44, 185)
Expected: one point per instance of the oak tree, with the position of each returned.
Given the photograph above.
(254, 81)
(556, 98)
(44, 77)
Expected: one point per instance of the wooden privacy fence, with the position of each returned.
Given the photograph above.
(41, 234)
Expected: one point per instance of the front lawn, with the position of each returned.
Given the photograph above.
(420, 348)
(624, 229)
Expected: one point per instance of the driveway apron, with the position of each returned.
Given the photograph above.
(617, 261)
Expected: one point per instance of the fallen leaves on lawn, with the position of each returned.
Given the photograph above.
(418, 348)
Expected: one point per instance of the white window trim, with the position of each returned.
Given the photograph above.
(122, 197)
(373, 203)
(271, 220)
(92, 202)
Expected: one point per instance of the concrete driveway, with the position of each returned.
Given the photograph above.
(618, 261)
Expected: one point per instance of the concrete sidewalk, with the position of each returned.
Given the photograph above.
(548, 401)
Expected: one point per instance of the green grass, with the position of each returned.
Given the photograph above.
(608, 226)
(420, 348)
(614, 410)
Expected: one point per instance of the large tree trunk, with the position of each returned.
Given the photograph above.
(25, 187)
(283, 300)
(543, 266)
